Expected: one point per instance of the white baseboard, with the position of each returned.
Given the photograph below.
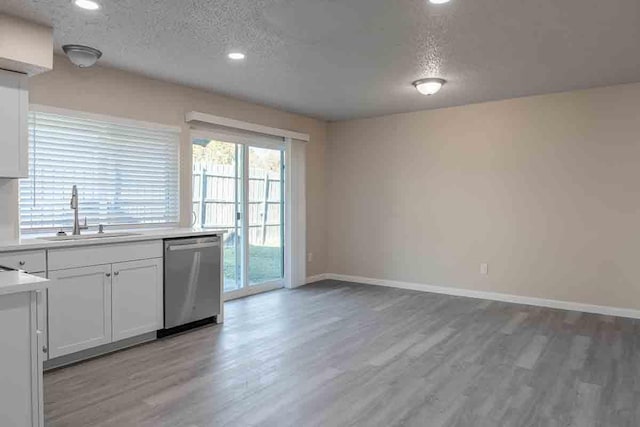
(316, 278)
(495, 296)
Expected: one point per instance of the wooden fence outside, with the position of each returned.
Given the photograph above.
(214, 202)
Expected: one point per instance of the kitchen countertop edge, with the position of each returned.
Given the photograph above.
(37, 243)
(13, 282)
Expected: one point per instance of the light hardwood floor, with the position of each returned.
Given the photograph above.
(337, 354)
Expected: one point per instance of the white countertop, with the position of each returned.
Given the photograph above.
(34, 242)
(12, 282)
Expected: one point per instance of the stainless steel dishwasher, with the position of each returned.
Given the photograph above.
(192, 287)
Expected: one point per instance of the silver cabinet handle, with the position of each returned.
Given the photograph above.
(193, 246)
(21, 262)
(116, 273)
(108, 274)
(44, 349)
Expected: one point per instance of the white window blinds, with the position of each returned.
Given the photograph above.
(126, 174)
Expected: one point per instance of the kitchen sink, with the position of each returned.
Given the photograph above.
(88, 236)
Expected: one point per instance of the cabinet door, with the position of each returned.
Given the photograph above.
(41, 350)
(79, 309)
(14, 107)
(137, 297)
(41, 322)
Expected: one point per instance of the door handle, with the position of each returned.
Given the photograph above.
(108, 274)
(116, 273)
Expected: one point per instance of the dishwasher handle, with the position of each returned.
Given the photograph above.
(193, 246)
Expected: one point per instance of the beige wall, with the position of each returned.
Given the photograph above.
(25, 46)
(544, 189)
(113, 92)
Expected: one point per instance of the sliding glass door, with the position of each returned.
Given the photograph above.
(239, 187)
(217, 191)
(265, 215)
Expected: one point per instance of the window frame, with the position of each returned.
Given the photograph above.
(38, 108)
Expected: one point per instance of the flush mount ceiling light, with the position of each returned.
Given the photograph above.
(82, 56)
(236, 56)
(438, 1)
(87, 4)
(429, 86)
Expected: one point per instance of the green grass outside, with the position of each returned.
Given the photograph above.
(265, 263)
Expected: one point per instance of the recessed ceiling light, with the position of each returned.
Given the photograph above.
(429, 86)
(438, 1)
(87, 4)
(236, 56)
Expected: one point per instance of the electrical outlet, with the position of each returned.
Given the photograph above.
(310, 257)
(484, 269)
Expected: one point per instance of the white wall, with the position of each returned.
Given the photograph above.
(544, 189)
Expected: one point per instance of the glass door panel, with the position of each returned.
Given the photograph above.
(265, 209)
(240, 188)
(217, 200)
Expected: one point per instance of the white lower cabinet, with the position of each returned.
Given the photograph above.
(136, 295)
(21, 368)
(42, 323)
(79, 309)
(91, 305)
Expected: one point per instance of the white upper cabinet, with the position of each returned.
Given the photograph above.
(14, 107)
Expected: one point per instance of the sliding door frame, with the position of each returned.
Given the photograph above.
(246, 288)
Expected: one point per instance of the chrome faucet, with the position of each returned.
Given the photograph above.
(74, 205)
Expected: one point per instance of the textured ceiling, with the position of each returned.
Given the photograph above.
(341, 59)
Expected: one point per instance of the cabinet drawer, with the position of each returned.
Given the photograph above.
(30, 261)
(60, 259)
